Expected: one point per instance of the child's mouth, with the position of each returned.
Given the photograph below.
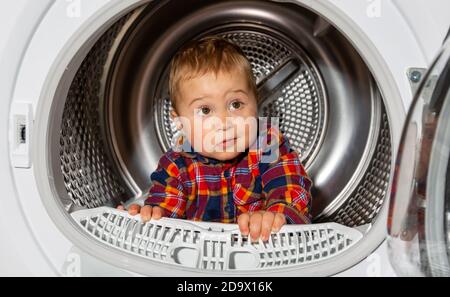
(229, 142)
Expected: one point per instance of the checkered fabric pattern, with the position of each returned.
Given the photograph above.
(191, 186)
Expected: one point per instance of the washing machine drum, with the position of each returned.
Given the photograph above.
(114, 124)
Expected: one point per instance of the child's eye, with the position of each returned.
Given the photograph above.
(204, 110)
(236, 105)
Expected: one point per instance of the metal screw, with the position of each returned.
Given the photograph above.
(415, 76)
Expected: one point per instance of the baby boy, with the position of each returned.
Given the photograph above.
(226, 166)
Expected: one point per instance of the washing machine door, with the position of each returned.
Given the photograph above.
(419, 219)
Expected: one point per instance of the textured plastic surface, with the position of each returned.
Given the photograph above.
(215, 246)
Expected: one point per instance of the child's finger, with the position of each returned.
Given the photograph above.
(146, 213)
(157, 213)
(120, 207)
(278, 222)
(255, 225)
(134, 209)
(266, 226)
(243, 221)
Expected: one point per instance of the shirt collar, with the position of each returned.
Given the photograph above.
(192, 154)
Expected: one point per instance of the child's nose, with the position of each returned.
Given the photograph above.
(226, 122)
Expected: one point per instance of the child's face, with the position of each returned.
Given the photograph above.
(218, 114)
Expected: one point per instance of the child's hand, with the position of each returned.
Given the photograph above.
(260, 223)
(147, 212)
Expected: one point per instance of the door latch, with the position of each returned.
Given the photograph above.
(21, 125)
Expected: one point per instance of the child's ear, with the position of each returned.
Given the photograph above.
(173, 116)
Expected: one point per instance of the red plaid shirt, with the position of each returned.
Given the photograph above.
(188, 185)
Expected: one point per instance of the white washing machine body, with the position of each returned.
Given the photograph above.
(41, 38)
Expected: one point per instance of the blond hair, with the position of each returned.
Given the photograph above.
(209, 54)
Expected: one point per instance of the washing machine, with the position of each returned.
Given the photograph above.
(85, 119)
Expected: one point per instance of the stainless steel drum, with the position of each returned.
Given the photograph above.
(115, 123)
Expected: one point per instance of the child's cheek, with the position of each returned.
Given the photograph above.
(251, 138)
(251, 132)
(201, 137)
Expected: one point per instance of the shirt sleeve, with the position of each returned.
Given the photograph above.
(286, 185)
(166, 190)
